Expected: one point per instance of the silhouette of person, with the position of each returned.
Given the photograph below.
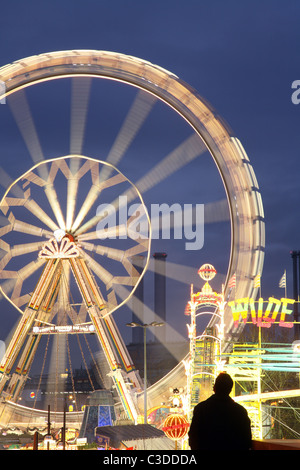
(219, 423)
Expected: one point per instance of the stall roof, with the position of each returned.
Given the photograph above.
(130, 434)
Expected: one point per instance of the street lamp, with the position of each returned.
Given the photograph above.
(145, 326)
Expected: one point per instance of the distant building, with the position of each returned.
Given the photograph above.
(161, 358)
(160, 293)
(66, 390)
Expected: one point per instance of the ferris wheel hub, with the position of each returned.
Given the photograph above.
(59, 234)
(65, 248)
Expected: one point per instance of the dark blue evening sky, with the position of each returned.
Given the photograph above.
(241, 55)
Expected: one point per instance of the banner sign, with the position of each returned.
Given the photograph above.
(260, 317)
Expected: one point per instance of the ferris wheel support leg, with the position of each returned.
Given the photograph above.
(92, 296)
(126, 397)
(121, 379)
(17, 340)
(123, 353)
(18, 378)
(3, 379)
(15, 387)
(109, 338)
(29, 316)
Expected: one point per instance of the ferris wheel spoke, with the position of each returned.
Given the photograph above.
(6, 181)
(89, 201)
(112, 253)
(20, 301)
(25, 248)
(13, 285)
(72, 173)
(6, 258)
(55, 206)
(216, 211)
(86, 206)
(106, 277)
(21, 275)
(16, 293)
(30, 268)
(182, 155)
(82, 314)
(7, 287)
(187, 151)
(71, 201)
(175, 271)
(137, 249)
(138, 113)
(36, 210)
(122, 292)
(79, 105)
(24, 227)
(125, 280)
(8, 274)
(102, 273)
(190, 149)
(20, 109)
(117, 255)
(45, 180)
(110, 232)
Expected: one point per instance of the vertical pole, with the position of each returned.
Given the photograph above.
(160, 292)
(294, 255)
(298, 299)
(285, 287)
(260, 430)
(138, 299)
(48, 431)
(259, 354)
(297, 326)
(145, 376)
(64, 429)
(298, 259)
(36, 441)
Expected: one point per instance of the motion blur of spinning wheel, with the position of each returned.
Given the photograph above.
(66, 245)
(61, 267)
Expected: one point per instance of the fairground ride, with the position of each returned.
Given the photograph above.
(49, 233)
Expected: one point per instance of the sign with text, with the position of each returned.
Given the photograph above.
(259, 315)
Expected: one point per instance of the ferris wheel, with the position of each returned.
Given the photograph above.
(61, 218)
(66, 246)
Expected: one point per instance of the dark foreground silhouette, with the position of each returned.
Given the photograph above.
(219, 423)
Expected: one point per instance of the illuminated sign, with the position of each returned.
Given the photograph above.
(260, 317)
(83, 328)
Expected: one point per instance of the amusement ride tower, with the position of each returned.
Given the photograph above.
(204, 361)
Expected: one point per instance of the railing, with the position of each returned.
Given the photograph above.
(276, 444)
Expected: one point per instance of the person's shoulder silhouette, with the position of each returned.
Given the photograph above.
(219, 422)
